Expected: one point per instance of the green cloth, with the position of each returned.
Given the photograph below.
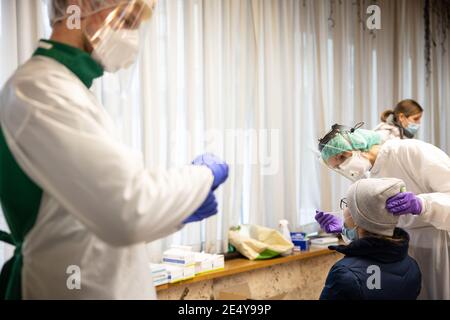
(76, 60)
(267, 254)
(20, 199)
(361, 139)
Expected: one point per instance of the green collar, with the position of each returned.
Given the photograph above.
(76, 60)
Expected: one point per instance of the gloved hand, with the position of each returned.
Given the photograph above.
(218, 167)
(207, 209)
(404, 203)
(329, 223)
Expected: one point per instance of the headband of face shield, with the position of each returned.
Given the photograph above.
(112, 27)
(59, 10)
(341, 140)
(335, 130)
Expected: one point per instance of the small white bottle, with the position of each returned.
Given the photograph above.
(284, 230)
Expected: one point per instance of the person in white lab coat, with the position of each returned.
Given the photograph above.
(401, 123)
(424, 208)
(80, 205)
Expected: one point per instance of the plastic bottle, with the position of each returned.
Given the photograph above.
(284, 230)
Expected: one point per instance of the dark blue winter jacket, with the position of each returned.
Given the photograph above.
(374, 269)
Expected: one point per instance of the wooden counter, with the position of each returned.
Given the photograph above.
(240, 265)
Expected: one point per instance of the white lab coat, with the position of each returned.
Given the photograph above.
(100, 204)
(388, 131)
(426, 172)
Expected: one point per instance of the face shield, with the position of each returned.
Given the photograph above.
(113, 28)
(342, 150)
(115, 32)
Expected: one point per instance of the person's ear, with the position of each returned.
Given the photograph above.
(361, 232)
(348, 219)
(402, 119)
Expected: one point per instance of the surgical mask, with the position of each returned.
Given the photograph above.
(412, 129)
(349, 235)
(356, 167)
(116, 49)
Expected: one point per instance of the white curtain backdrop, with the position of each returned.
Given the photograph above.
(258, 82)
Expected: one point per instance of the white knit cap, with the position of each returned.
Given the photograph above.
(367, 203)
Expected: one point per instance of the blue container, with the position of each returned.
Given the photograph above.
(299, 241)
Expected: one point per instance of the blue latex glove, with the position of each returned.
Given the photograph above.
(329, 223)
(208, 209)
(218, 167)
(404, 203)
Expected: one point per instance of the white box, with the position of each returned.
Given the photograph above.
(160, 279)
(178, 257)
(324, 241)
(157, 267)
(159, 274)
(159, 282)
(218, 262)
(188, 272)
(175, 273)
(203, 262)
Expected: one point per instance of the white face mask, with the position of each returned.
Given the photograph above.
(356, 167)
(116, 49)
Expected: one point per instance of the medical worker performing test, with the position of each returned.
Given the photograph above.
(424, 207)
(75, 198)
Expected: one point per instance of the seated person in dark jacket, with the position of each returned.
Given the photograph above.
(376, 265)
